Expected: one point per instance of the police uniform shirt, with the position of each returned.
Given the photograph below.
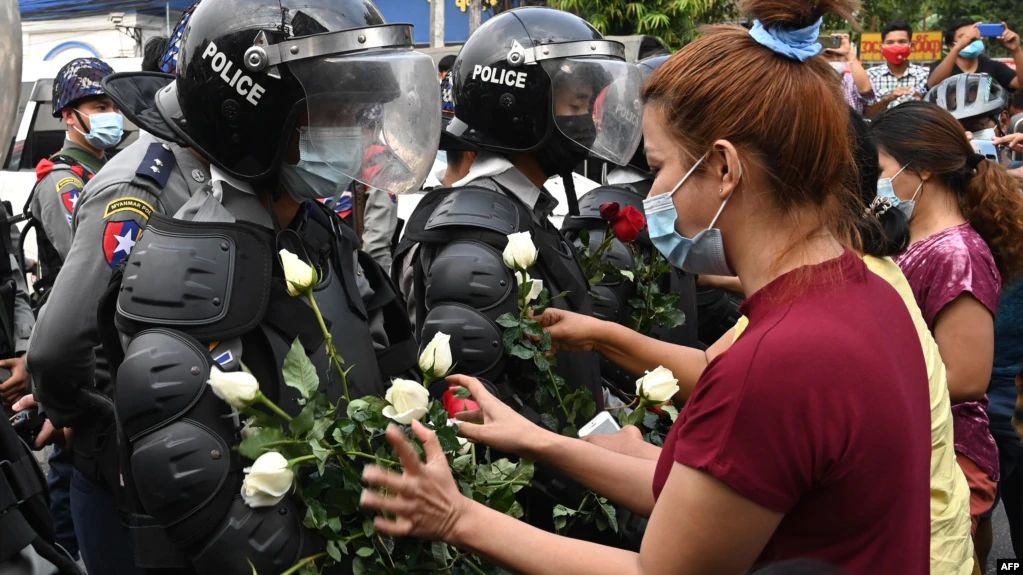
(55, 198)
(148, 176)
(381, 219)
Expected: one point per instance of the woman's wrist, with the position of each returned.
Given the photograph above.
(541, 445)
(606, 336)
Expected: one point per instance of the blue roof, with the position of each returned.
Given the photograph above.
(416, 12)
(57, 9)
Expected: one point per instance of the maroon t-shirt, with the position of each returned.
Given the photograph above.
(820, 411)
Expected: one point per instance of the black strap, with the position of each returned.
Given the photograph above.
(22, 477)
(294, 318)
(398, 358)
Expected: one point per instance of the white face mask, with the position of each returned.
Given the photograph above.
(838, 66)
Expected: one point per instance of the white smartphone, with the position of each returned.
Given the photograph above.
(601, 424)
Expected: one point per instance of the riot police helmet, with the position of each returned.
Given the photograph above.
(646, 67)
(249, 74)
(530, 79)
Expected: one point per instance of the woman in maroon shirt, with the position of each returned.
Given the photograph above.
(966, 237)
(784, 449)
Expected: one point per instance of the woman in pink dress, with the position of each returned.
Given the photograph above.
(966, 240)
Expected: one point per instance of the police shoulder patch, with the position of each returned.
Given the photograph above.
(128, 205)
(118, 240)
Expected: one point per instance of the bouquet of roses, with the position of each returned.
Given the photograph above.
(319, 454)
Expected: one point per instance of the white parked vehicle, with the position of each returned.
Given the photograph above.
(40, 135)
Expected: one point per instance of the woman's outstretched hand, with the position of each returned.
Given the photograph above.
(424, 501)
(570, 331)
(495, 424)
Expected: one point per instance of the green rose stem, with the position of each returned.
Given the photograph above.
(557, 393)
(298, 566)
(335, 358)
(471, 565)
(297, 460)
(272, 406)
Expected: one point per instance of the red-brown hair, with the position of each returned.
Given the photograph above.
(788, 117)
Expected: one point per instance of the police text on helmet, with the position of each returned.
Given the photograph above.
(244, 85)
(506, 77)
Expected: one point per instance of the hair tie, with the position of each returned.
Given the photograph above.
(880, 206)
(975, 160)
(796, 43)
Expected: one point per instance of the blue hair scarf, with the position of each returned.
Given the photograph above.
(798, 44)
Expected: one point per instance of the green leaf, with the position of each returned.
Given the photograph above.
(520, 351)
(320, 452)
(508, 320)
(532, 328)
(461, 462)
(512, 337)
(441, 552)
(540, 361)
(335, 524)
(636, 417)
(368, 529)
(610, 513)
(671, 411)
(304, 422)
(627, 275)
(299, 372)
(333, 551)
(365, 551)
(448, 437)
(260, 442)
(462, 393)
(515, 510)
(550, 421)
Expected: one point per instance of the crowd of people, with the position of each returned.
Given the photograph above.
(858, 413)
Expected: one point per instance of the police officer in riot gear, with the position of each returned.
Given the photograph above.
(70, 371)
(628, 185)
(276, 102)
(524, 89)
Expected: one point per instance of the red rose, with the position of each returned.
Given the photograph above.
(628, 224)
(609, 211)
(454, 405)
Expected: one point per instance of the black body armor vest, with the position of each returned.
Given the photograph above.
(196, 295)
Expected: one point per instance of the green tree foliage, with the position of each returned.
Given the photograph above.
(675, 22)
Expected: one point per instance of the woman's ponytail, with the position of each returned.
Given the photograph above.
(993, 203)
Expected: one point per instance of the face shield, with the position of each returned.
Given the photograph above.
(596, 100)
(371, 105)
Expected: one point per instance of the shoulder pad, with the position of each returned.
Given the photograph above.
(477, 207)
(157, 164)
(43, 169)
(589, 204)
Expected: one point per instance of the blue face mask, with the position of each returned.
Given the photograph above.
(105, 130)
(974, 50)
(322, 169)
(703, 254)
(885, 189)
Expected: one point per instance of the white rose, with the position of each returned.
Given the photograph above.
(267, 481)
(435, 361)
(408, 399)
(520, 253)
(299, 275)
(466, 447)
(237, 388)
(534, 289)
(657, 386)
